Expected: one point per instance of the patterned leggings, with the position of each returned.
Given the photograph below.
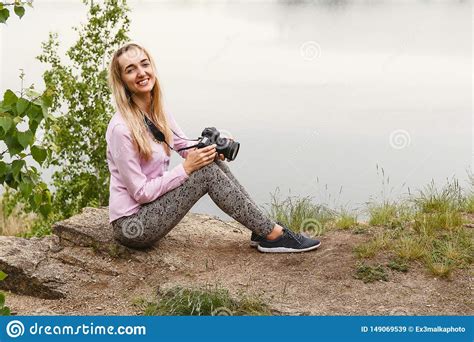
(155, 219)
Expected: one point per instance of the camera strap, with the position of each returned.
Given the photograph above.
(159, 136)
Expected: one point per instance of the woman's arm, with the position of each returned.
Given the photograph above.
(127, 161)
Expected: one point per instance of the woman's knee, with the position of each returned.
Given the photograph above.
(223, 166)
(207, 172)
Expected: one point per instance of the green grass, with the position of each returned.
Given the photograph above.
(206, 301)
(389, 214)
(359, 229)
(469, 204)
(433, 200)
(300, 214)
(399, 265)
(370, 248)
(433, 223)
(346, 220)
(427, 227)
(410, 248)
(453, 251)
(370, 274)
(4, 310)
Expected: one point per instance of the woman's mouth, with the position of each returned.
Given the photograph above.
(143, 83)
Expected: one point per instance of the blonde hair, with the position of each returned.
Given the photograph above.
(129, 109)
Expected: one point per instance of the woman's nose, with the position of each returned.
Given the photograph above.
(141, 71)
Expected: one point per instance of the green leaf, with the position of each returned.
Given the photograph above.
(9, 98)
(47, 98)
(45, 209)
(6, 122)
(3, 108)
(33, 125)
(16, 167)
(5, 311)
(31, 93)
(2, 299)
(39, 154)
(26, 187)
(4, 14)
(38, 197)
(19, 11)
(25, 138)
(13, 145)
(35, 113)
(45, 111)
(3, 168)
(21, 106)
(3, 275)
(10, 180)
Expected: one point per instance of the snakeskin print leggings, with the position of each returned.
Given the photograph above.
(155, 219)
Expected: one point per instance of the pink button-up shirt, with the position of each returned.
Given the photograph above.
(134, 181)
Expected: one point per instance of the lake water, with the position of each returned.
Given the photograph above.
(317, 93)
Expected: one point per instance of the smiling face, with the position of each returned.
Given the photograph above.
(137, 72)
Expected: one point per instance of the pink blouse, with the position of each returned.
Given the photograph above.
(134, 181)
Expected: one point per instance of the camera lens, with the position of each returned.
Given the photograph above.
(232, 150)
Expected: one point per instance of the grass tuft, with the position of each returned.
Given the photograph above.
(300, 214)
(13, 220)
(370, 248)
(433, 200)
(346, 220)
(370, 274)
(410, 248)
(207, 301)
(399, 265)
(389, 214)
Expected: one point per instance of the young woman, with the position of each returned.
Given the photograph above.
(146, 199)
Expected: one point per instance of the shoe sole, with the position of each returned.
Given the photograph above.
(286, 249)
(254, 243)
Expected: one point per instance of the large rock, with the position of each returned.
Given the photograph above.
(37, 267)
(30, 269)
(82, 252)
(90, 228)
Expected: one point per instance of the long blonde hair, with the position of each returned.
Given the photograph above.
(129, 109)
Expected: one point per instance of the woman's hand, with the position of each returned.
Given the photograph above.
(198, 158)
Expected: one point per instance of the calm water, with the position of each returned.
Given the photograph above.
(317, 94)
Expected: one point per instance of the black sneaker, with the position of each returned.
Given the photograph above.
(255, 240)
(289, 242)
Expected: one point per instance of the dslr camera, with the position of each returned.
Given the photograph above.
(227, 147)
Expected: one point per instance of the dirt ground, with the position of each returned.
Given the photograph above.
(206, 251)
